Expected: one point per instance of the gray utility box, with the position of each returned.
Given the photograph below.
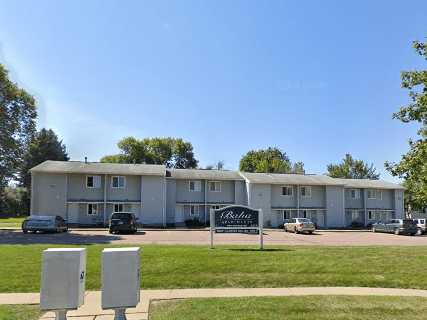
(63, 279)
(120, 278)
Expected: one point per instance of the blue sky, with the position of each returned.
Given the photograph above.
(317, 79)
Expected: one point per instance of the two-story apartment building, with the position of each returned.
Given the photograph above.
(88, 193)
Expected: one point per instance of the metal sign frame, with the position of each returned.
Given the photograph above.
(260, 226)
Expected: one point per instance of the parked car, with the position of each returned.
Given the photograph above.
(123, 222)
(396, 226)
(422, 225)
(44, 224)
(299, 225)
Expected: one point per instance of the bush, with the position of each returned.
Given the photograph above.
(191, 223)
(357, 225)
(14, 202)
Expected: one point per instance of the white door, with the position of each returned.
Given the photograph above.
(73, 213)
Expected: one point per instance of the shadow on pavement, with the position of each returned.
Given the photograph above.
(18, 237)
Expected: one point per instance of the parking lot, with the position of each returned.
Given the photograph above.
(201, 237)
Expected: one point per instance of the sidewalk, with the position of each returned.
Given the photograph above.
(91, 310)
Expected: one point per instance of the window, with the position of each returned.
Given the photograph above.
(372, 194)
(118, 182)
(194, 211)
(92, 209)
(286, 214)
(306, 192)
(214, 186)
(118, 207)
(371, 215)
(355, 193)
(93, 181)
(304, 213)
(287, 191)
(194, 186)
(354, 215)
(379, 195)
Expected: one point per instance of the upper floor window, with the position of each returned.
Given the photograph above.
(118, 182)
(372, 194)
(287, 191)
(214, 186)
(355, 193)
(118, 207)
(92, 209)
(93, 181)
(306, 192)
(194, 185)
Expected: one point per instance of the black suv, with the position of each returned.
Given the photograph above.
(123, 222)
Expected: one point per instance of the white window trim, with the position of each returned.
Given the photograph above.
(118, 203)
(307, 188)
(118, 177)
(356, 194)
(287, 195)
(93, 181)
(214, 182)
(94, 177)
(87, 209)
(380, 193)
(196, 183)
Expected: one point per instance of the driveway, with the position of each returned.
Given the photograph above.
(201, 237)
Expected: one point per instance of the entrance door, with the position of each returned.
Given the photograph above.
(73, 213)
(179, 214)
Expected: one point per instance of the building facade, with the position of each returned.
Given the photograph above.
(88, 193)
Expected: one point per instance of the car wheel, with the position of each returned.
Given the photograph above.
(24, 230)
(396, 231)
(374, 230)
(296, 231)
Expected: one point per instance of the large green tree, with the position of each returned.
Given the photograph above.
(351, 168)
(270, 160)
(172, 152)
(44, 146)
(413, 165)
(17, 127)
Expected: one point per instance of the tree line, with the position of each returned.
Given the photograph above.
(23, 147)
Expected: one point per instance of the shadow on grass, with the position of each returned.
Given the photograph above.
(18, 237)
(264, 250)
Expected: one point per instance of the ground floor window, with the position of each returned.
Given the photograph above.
(380, 215)
(92, 209)
(194, 211)
(118, 207)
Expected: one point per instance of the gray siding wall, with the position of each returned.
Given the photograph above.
(278, 200)
(153, 200)
(240, 193)
(387, 201)
(335, 215)
(170, 200)
(260, 198)
(354, 203)
(317, 199)
(226, 195)
(77, 189)
(183, 194)
(49, 194)
(131, 191)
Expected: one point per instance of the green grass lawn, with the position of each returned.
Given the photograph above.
(19, 312)
(238, 266)
(292, 308)
(11, 222)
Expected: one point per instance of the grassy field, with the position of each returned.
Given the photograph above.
(19, 312)
(238, 266)
(11, 222)
(292, 308)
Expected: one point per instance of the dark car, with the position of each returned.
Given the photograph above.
(44, 224)
(396, 226)
(123, 222)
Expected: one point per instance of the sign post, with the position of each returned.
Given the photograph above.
(237, 219)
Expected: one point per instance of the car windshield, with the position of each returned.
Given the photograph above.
(304, 220)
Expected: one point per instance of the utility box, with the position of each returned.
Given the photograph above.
(63, 279)
(120, 278)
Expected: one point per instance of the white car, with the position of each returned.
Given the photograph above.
(299, 225)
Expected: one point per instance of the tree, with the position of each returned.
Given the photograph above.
(172, 152)
(271, 160)
(351, 168)
(17, 127)
(413, 165)
(44, 146)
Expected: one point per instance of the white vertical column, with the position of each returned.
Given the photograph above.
(105, 197)
(298, 201)
(164, 202)
(66, 197)
(32, 193)
(140, 207)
